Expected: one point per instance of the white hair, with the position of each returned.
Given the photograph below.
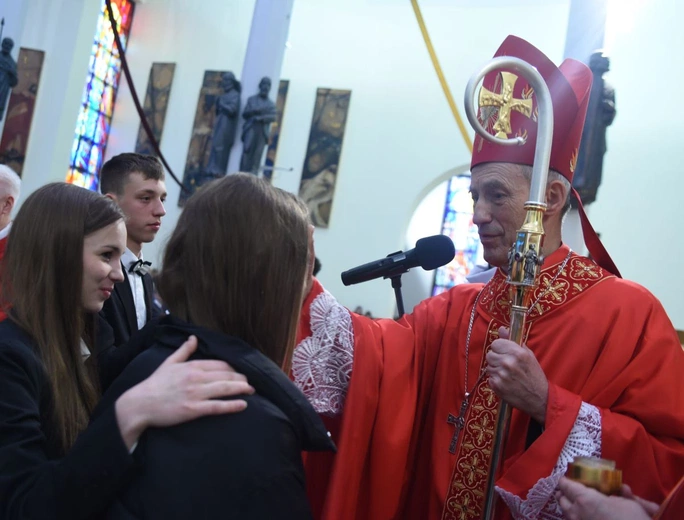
(553, 176)
(10, 183)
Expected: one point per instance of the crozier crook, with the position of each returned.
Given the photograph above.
(525, 256)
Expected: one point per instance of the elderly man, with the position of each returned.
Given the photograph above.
(10, 185)
(414, 401)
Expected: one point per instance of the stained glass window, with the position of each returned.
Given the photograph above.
(99, 93)
(458, 225)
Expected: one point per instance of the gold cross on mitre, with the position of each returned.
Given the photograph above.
(505, 102)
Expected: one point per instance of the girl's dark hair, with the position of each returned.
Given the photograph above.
(236, 263)
(42, 279)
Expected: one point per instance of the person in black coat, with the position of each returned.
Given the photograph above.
(136, 183)
(53, 463)
(233, 276)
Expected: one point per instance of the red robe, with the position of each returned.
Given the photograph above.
(600, 340)
(673, 507)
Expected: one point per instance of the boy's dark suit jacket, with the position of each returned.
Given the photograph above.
(119, 310)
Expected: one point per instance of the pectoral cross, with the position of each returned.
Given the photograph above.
(505, 102)
(458, 422)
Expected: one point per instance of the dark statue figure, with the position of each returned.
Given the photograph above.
(8, 73)
(225, 123)
(600, 115)
(531, 263)
(259, 113)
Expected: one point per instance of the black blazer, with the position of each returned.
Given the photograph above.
(245, 465)
(37, 480)
(119, 310)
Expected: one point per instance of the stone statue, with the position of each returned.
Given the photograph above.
(600, 115)
(259, 113)
(8, 73)
(225, 123)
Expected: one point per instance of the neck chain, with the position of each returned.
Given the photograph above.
(459, 421)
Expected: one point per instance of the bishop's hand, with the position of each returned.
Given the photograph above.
(516, 376)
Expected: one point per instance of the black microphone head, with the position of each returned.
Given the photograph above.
(435, 251)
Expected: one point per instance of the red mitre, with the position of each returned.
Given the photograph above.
(508, 108)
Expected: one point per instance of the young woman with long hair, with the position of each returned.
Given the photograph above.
(62, 260)
(233, 276)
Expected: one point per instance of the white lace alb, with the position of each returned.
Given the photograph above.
(585, 441)
(322, 362)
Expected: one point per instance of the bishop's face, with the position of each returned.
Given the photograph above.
(499, 192)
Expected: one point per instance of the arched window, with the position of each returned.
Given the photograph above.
(458, 225)
(99, 94)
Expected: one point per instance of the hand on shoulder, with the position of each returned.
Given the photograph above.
(180, 391)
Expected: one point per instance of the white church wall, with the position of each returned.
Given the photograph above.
(64, 30)
(639, 211)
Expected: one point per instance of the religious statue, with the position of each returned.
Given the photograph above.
(600, 115)
(8, 73)
(532, 260)
(225, 123)
(513, 256)
(259, 113)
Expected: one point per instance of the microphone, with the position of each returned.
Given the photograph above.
(429, 253)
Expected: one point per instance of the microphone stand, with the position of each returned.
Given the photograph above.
(395, 276)
(396, 285)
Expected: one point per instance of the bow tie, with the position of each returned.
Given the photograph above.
(140, 267)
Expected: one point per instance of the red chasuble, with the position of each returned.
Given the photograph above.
(673, 507)
(616, 390)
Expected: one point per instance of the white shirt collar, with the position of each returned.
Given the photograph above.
(129, 258)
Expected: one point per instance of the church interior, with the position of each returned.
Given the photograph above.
(360, 108)
(204, 205)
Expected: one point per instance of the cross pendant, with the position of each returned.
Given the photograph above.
(458, 422)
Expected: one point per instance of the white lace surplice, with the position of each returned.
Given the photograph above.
(584, 441)
(322, 363)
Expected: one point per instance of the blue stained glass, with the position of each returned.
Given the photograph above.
(91, 124)
(102, 59)
(102, 130)
(81, 122)
(112, 72)
(458, 225)
(94, 159)
(107, 100)
(74, 149)
(97, 105)
(83, 154)
(95, 93)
